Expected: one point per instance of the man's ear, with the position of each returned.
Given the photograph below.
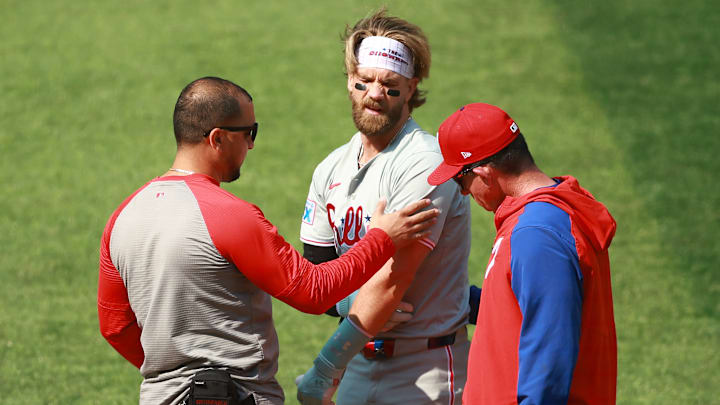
(215, 138)
(351, 82)
(412, 86)
(486, 173)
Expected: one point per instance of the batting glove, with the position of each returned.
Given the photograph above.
(318, 385)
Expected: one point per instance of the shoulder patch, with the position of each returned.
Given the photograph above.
(309, 213)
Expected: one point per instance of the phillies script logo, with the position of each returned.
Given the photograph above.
(351, 225)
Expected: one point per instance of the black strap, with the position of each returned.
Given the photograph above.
(216, 386)
(441, 341)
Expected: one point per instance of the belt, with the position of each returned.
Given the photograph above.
(386, 348)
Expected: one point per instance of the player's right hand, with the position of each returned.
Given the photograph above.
(315, 388)
(405, 225)
(401, 314)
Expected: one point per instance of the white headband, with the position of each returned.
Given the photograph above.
(386, 53)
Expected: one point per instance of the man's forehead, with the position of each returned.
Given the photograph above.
(379, 73)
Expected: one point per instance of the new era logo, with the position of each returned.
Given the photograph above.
(466, 155)
(513, 127)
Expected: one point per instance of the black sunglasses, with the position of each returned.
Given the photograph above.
(252, 128)
(465, 170)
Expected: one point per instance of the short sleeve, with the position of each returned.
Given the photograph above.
(314, 226)
(411, 185)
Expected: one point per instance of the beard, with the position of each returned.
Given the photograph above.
(374, 125)
(234, 175)
(231, 172)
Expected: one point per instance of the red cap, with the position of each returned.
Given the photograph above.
(472, 133)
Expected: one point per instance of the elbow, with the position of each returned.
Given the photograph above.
(109, 330)
(309, 304)
(112, 323)
(315, 311)
(308, 307)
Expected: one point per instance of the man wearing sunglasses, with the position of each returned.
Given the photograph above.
(545, 331)
(187, 269)
(403, 339)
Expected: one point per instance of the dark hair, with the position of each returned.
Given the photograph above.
(512, 159)
(204, 104)
(382, 25)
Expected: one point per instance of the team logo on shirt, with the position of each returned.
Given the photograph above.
(493, 254)
(309, 214)
(351, 227)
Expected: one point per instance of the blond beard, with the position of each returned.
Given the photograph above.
(374, 125)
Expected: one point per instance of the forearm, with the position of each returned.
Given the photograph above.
(116, 319)
(377, 299)
(316, 288)
(320, 382)
(122, 333)
(380, 296)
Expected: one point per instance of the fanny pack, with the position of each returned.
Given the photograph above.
(216, 387)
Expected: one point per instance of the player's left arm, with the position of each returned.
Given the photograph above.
(380, 296)
(547, 282)
(118, 323)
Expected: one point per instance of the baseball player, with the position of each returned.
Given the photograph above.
(421, 360)
(187, 269)
(545, 333)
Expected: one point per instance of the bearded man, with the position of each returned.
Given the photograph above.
(404, 337)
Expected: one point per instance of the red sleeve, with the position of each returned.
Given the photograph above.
(118, 324)
(246, 238)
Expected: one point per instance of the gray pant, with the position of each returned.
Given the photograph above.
(434, 376)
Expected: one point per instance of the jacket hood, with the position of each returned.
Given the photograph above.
(589, 215)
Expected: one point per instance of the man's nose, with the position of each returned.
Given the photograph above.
(376, 91)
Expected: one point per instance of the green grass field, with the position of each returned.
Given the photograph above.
(622, 95)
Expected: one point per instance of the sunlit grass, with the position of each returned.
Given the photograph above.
(620, 95)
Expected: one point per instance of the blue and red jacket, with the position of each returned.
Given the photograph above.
(545, 331)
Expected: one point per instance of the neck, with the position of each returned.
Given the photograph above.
(372, 145)
(525, 182)
(189, 161)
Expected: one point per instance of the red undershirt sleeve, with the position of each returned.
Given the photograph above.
(246, 238)
(118, 324)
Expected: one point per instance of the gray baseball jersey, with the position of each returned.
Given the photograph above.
(186, 274)
(342, 199)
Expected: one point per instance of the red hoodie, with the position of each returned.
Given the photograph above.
(545, 332)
